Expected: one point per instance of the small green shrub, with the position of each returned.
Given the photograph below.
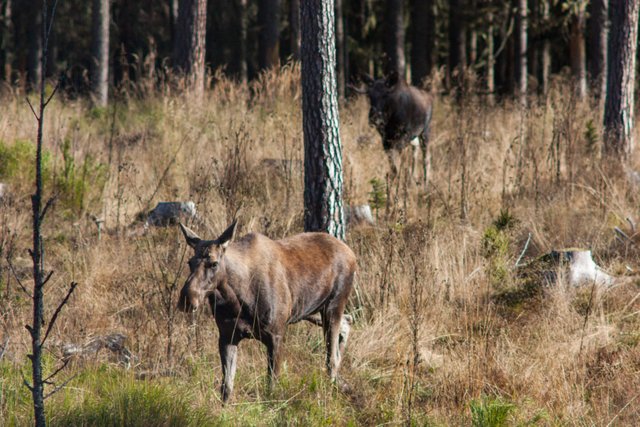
(591, 137)
(495, 247)
(490, 412)
(377, 195)
(76, 184)
(17, 162)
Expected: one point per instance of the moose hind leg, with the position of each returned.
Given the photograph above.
(331, 328)
(343, 336)
(228, 357)
(274, 359)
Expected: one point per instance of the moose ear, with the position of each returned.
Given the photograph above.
(367, 79)
(191, 237)
(227, 235)
(392, 79)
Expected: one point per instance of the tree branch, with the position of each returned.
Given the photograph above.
(46, 279)
(64, 365)
(25, 382)
(15, 275)
(32, 109)
(57, 312)
(60, 387)
(47, 206)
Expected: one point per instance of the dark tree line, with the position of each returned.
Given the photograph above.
(503, 42)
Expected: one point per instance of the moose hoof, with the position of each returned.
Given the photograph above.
(342, 386)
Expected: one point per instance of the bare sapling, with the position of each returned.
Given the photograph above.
(40, 279)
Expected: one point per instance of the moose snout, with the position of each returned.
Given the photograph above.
(188, 301)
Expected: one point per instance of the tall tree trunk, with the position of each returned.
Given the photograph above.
(619, 103)
(577, 53)
(189, 44)
(269, 34)
(521, 52)
(473, 34)
(597, 57)
(422, 40)
(340, 49)
(6, 42)
(322, 149)
(394, 37)
(457, 44)
(34, 60)
(545, 60)
(490, 77)
(173, 18)
(294, 25)
(243, 24)
(100, 51)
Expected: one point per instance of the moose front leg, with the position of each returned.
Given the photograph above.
(228, 356)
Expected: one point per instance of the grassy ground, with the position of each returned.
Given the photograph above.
(446, 333)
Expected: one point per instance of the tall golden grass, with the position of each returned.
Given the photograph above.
(431, 343)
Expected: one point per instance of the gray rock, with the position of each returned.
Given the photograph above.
(359, 215)
(576, 266)
(170, 213)
(112, 342)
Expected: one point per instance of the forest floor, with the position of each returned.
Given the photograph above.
(446, 331)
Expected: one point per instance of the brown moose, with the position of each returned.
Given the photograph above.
(402, 115)
(257, 286)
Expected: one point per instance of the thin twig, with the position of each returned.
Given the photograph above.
(55, 89)
(25, 382)
(47, 206)
(46, 279)
(526, 245)
(57, 312)
(60, 387)
(15, 276)
(5, 346)
(32, 109)
(623, 408)
(57, 371)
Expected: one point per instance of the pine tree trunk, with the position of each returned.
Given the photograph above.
(189, 45)
(243, 24)
(294, 24)
(394, 37)
(597, 58)
(322, 147)
(100, 52)
(457, 44)
(34, 63)
(269, 34)
(545, 60)
(422, 40)
(577, 54)
(619, 103)
(521, 52)
(490, 78)
(173, 17)
(340, 49)
(473, 34)
(6, 42)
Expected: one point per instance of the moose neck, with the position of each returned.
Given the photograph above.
(231, 288)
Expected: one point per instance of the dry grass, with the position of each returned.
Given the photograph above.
(430, 340)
